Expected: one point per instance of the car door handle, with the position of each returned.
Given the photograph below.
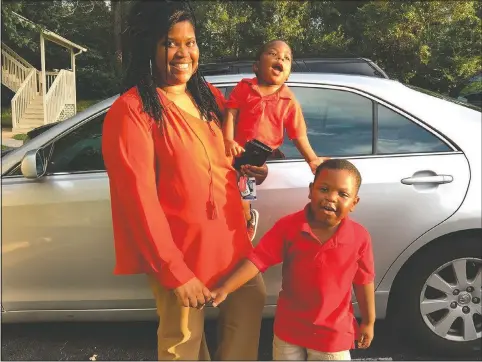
(418, 180)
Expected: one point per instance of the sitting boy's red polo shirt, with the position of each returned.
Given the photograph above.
(314, 306)
(265, 117)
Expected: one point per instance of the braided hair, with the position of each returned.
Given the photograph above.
(149, 21)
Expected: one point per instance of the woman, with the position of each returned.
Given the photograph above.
(176, 210)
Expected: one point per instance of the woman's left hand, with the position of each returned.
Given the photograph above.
(259, 173)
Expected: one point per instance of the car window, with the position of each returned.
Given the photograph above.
(342, 67)
(460, 102)
(79, 150)
(245, 69)
(228, 91)
(222, 90)
(398, 134)
(340, 123)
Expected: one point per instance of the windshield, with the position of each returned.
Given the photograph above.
(446, 98)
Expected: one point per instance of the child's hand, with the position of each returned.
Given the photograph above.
(232, 148)
(315, 163)
(219, 295)
(365, 335)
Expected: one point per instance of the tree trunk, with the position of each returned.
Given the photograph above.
(117, 20)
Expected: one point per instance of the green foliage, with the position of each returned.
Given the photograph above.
(472, 88)
(12, 26)
(432, 44)
(6, 116)
(86, 103)
(95, 83)
(223, 27)
(435, 45)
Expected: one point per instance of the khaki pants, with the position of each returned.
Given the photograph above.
(181, 330)
(284, 351)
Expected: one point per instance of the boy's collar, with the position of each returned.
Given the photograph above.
(282, 92)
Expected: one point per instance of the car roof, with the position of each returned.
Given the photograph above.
(339, 65)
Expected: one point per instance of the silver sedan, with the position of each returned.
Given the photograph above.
(420, 158)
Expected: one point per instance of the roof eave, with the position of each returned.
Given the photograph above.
(50, 35)
(61, 40)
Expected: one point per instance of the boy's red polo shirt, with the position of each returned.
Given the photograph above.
(314, 306)
(265, 117)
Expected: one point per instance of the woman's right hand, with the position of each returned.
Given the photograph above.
(192, 294)
(232, 148)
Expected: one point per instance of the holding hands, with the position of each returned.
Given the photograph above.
(193, 294)
(219, 295)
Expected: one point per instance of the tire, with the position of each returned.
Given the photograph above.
(421, 331)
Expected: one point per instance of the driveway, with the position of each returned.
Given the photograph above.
(137, 341)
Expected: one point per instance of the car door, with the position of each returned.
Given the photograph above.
(412, 178)
(57, 241)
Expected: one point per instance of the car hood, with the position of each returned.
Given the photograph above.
(7, 150)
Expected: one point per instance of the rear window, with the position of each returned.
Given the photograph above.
(356, 68)
(445, 98)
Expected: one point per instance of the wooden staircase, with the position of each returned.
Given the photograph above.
(11, 81)
(33, 115)
(30, 108)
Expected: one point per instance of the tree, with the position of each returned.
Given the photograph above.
(119, 10)
(434, 44)
(324, 27)
(224, 28)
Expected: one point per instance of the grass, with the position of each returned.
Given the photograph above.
(6, 117)
(7, 112)
(20, 137)
(4, 147)
(86, 103)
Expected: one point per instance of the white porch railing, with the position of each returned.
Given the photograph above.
(14, 72)
(13, 54)
(60, 94)
(20, 76)
(24, 96)
(49, 78)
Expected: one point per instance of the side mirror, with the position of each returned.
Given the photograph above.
(33, 165)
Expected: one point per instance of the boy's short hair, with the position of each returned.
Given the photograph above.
(340, 164)
(263, 47)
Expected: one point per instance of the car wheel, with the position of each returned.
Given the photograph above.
(439, 299)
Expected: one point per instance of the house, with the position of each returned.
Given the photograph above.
(41, 96)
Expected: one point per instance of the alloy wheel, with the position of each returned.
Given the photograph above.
(450, 301)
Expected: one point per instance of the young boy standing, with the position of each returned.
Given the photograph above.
(324, 254)
(262, 108)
